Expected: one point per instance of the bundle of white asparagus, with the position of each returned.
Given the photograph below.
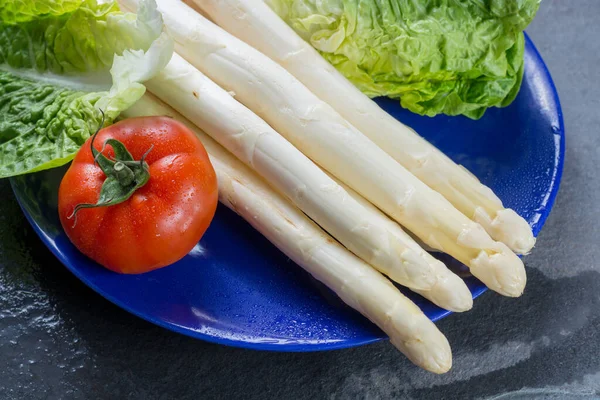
(329, 152)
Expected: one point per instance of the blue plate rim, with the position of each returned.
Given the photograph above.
(311, 346)
(561, 132)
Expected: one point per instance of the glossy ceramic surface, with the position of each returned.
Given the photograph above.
(235, 288)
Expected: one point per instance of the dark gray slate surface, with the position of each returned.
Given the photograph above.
(58, 339)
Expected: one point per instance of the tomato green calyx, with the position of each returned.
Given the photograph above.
(124, 175)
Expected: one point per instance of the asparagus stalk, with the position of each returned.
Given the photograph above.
(355, 282)
(258, 25)
(323, 135)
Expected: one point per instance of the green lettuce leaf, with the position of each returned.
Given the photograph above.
(22, 11)
(59, 67)
(436, 56)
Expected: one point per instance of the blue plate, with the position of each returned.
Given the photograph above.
(235, 288)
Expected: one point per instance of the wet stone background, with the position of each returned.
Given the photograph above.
(60, 340)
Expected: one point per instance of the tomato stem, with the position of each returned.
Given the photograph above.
(124, 175)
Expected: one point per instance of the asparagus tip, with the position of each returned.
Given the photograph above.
(431, 352)
(450, 291)
(502, 271)
(509, 228)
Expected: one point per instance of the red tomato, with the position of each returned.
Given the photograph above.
(163, 219)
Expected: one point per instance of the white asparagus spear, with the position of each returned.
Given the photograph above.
(255, 143)
(355, 282)
(323, 135)
(255, 23)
